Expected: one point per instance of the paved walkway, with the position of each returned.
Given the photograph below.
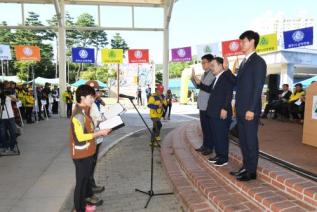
(42, 177)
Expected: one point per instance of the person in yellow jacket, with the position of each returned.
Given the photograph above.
(156, 104)
(21, 93)
(68, 99)
(29, 103)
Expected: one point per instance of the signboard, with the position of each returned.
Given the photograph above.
(112, 56)
(28, 53)
(5, 53)
(298, 38)
(267, 43)
(138, 55)
(211, 48)
(231, 48)
(182, 54)
(83, 55)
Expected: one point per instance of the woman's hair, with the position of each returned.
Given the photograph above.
(84, 90)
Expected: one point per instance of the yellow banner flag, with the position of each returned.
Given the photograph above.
(112, 56)
(267, 43)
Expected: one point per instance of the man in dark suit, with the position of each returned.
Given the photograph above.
(250, 81)
(219, 109)
(276, 105)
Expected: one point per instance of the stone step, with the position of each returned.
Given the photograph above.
(190, 197)
(219, 192)
(276, 189)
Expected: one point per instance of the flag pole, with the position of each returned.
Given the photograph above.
(2, 70)
(118, 78)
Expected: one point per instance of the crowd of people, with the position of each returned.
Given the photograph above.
(288, 105)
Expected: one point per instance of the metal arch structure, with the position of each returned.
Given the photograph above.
(59, 5)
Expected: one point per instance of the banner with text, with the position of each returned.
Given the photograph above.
(231, 48)
(138, 55)
(182, 54)
(83, 55)
(112, 56)
(5, 52)
(298, 37)
(267, 43)
(211, 48)
(28, 53)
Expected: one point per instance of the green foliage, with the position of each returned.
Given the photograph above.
(74, 38)
(158, 77)
(117, 42)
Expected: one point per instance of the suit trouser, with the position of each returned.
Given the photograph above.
(82, 188)
(206, 128)
(219, 132)
(248, 139)
(69, 109)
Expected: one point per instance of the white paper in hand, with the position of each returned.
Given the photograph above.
(112, 123)
(112, 110)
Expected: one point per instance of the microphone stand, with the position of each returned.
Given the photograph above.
(150, 193)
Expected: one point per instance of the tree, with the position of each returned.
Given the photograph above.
(44, 67)
(117, 42)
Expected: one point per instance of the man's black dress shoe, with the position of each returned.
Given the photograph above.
(246, 176)
(237, 173)
(206, 152)
(200, 149)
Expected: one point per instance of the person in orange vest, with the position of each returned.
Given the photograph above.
(83, 147)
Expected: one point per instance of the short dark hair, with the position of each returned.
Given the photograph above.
(299, 84)
(208, 57)
(219, 60)
(251, 35)
(84, 90)
(286, 85)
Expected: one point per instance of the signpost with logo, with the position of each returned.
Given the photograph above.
(30, 53)
(5, 54)
(298, 38)
(83, 55)
(231, 48)
(182, 55)
(310, 120)
(211, 48)
(113, 56)
(138, 56)
(267, 43)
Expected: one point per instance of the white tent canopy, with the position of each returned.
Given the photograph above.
(15, 79)
(42, 81)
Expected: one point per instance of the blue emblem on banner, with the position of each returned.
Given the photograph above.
(298, 38)
(83, 55)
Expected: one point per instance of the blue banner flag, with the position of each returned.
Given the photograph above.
(83, 55)
(298, 37)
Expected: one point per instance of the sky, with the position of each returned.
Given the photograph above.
(193, 22)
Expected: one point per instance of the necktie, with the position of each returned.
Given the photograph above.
(213, 83)
(242, 63)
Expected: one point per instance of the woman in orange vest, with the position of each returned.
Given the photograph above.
(83, 144)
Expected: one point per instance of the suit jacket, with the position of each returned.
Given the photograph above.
(250, 82)
(203, 96)
(286, 96)
(220, 96)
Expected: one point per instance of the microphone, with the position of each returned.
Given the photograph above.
(126, 96)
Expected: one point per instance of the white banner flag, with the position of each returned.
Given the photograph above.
(5, 53)
(211, 48)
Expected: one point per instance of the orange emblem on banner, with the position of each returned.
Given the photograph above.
(28, 53)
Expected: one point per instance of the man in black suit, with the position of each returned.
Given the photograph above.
(219, 109)
(276, 105)
(250, 82)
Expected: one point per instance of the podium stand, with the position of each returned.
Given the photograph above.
(310, 120)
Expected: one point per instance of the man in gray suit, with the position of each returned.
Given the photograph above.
(202, 102)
